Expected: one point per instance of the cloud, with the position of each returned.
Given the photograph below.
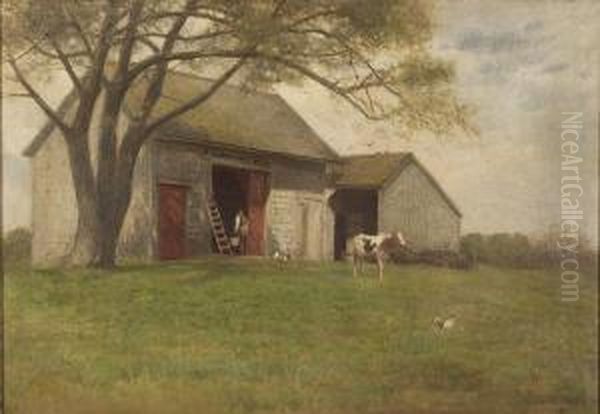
(492, 42)
(534, 26)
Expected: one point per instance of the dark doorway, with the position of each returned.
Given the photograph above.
(236, 189)
(171, 240)
(355, 212)
(341, 234)
(258, 192)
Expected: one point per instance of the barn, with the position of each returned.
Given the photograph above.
(392, 192)
(245, 151)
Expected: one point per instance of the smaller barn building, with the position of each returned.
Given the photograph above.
(392, 192)
(250, 152)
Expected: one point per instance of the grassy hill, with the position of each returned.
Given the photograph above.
(246, 336)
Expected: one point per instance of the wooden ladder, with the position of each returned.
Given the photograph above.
(218, 228)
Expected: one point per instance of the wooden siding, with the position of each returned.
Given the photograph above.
(188, 166)
(298, 218)
(54, 208)
(138, 233)
(412, 204)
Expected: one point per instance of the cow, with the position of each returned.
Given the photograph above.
(377, 246)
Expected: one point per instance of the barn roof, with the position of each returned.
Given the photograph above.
(373, 171)
(369, 170)
(232, 117)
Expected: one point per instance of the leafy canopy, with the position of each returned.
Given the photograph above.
(372, 53)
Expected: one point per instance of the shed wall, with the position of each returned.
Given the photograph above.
(413, 205)
(138, 234)
(299, 219)
(188, 166)
(54, 207)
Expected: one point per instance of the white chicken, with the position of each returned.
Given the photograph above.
(281, 257)
(440, 325)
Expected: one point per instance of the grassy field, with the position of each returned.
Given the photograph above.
(244, 336)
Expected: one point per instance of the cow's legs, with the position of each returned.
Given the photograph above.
(354, 264)
(380, 267)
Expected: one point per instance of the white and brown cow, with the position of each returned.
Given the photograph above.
(375, 246)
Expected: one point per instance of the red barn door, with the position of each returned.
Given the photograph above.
(171, 221)
(258, 191)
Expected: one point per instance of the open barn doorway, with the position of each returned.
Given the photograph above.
(355, 212)
(237, 189)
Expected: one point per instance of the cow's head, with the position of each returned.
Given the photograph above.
(400, 238)
(392, 242)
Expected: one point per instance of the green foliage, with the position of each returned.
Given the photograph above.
(374, 54)
(16, 246)
(249, 336)
(508, 250)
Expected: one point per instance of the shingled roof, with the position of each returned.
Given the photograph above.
(369, 170)
(232, 117)
(372, 171)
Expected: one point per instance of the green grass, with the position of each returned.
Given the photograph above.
(244, 336)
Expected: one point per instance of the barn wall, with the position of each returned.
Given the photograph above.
(54, 208)
(188, 166)
(138, 235)
(298, 217)
(413, 205)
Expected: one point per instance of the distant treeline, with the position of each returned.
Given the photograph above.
(500, 249)
(16, 245)
(517, 250)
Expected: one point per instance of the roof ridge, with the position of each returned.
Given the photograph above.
(325, 144)
(247, 117)
(374, 154)
(226, 85)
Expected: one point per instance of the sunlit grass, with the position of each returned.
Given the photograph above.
(248, 336)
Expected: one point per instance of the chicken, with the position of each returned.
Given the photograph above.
(440, 325)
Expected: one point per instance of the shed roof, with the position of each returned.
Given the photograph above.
(232, 117)
(369, 170)
(372, 171)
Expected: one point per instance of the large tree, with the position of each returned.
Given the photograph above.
(374, 54)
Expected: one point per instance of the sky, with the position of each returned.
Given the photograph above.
(519, 64)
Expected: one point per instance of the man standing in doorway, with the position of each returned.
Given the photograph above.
(242, 225)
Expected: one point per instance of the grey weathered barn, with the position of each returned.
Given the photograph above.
(392, 192)
(249, 151)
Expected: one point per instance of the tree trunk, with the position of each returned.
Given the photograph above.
(85, 244)
(116, 204)
(102, 198)
(110, 231)
(97, 235)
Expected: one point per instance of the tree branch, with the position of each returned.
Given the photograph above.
(67, 65)
(36, 45)
(374, 72)
(194, 14)
(17, 95)
(141, 66)
(192, 103)
(155, 86)
(41, 102)
(93, 81)
(332, 86)
(75, 23)
(203, 36)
